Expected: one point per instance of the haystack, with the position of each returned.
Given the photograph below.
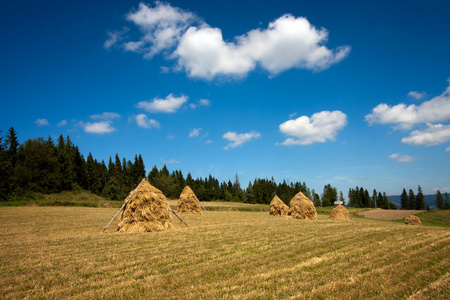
(302, 208)
(188, 202)
(413, 220)
(147, 210)
(340, 213)
(277, 207)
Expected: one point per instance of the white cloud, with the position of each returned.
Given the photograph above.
(322, 126)
(195, 132)
(171, 136)
(200, 50)
(416, 95)
(143, 121)
(201, 102)
(62, 123)
(41, 122)
(106, 116)
(401, 158)
(237, 139)
(287, 43)
(292, 115)
(172, 161)
(168, 105)
(447, 150)
(406, 116)
(101, 127)
(164, 69)
(114, 37)
(433, 135)
(161, 26)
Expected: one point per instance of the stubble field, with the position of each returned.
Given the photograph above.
(59, 252)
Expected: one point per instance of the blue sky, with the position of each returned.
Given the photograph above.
(352, 94)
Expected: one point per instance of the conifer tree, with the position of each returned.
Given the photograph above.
(404, 202)
(412, 199)
(420, 199)
(439, 200)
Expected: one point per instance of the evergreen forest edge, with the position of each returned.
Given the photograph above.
(41, 166)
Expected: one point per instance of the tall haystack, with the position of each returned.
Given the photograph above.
(413, 220)
(277, 207)
(302, 208)
(188, 202)
(340, 213)
(147, 210)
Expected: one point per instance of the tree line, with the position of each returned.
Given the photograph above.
(43, 166)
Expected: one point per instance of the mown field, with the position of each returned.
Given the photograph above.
(59, 252)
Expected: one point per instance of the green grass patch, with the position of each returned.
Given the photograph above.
(435, 218)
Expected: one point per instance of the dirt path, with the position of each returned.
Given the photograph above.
(385, 214)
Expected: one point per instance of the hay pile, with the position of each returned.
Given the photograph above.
(412, 220)
(340, 213)
(275, 205)
(188, 202)
(147, 210)
(302, 208)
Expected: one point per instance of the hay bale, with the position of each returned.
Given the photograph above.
(188, 202)
(340, 213)
(148, 210)
(275, 206)
(300, 207)
(413, 220)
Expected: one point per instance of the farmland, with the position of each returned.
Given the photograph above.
(59, 252)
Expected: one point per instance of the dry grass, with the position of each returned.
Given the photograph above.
(389, 214)
(58, 252)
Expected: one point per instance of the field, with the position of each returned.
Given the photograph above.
(59, 252)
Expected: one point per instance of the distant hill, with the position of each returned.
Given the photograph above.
(430, 200)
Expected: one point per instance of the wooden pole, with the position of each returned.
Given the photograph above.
(179, 218)
(281, 213)
(201, 205)
(295, 208)
(125, 203)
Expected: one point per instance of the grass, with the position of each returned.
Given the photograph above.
(435, 218)
(59, 252)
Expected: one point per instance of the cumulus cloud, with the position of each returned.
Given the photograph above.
(162, 27)
(195, 132)
(447, 150)
(201, 51)
(101, 127)
(416, 95)
(172, 161)
(62, 123)
(237, 139)
(404, 116)
(201, 102)
(105, 116)
(402, 158)
(41, 122)
(433, 135)
(322, 126)
(114, 37)
(143, 121)
(168, 105)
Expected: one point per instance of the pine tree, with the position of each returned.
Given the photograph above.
(447, 201)
(404, 202)
(420, 200)
(439, 200)
(412, 199)
(374, 197)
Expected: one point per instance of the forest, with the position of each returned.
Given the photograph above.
(43, 166)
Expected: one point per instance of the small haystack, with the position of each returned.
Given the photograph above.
(302, 208)
(188, 202)
(340, 213)
(413, 220)
(277, 207)
(147, 210)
